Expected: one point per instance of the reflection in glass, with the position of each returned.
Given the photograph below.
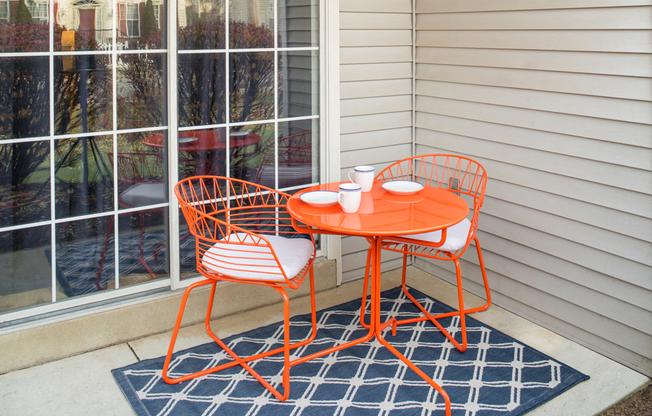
(246, 145)
(297, 155)
(188, 258)
(85, 255)
(298, 83)
(141, 90)
(251, 24)
(298, 23)
(24, 183)
(19, 31)
(84, 178)
(252, 86)
(25, 261)
(142, 246)
(201, 24)
(83, 88)
(202, 89)
(88, 25)
(202, 152)
(24, 97)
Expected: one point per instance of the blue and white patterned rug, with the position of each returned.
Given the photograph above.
(496, 375)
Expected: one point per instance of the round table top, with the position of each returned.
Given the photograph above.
(205, 140)
(382, 213)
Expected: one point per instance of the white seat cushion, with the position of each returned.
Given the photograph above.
(145, 193)
(257, 262)
(455, 236)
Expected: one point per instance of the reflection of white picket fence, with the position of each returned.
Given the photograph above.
(108, 46)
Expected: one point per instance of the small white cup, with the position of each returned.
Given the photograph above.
(349, 197)
(364, 176)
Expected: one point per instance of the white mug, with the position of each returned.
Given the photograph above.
(364, 176)
(349, 197)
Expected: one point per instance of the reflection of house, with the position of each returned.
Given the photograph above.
(94, 17)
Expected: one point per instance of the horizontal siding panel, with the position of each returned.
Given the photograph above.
(581, 147)
(375, 122)
(634, 273)
(379, 88)
(556, 19)
(624, 292)
(612, 220)
(635, 41)
(634, 88)
(378, 138)
(568, 124)
(373, 156)
(607, 174)
(379, 6)
(367, 38)
(451, 6)
(376, 105)
(389, 54)
(620, 245)
(384, 21)
(589, 192)
(625, 64)
(596, 107)
(598, 324)
(369, 72)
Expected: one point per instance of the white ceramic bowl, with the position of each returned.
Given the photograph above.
(402, 187)
(320, 199)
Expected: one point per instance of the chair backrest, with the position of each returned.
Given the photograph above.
(460, 175)
(224, 212)
(134, 167)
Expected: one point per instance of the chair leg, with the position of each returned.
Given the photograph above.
(363, 308)
(461, 312)
(237, 360)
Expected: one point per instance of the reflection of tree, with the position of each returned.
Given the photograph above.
(202, 81)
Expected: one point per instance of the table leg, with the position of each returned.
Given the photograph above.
(378, 328)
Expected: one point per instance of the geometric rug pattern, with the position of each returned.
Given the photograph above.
(496, 375)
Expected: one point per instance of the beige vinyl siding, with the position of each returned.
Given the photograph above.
(375, 98)
(554, 98)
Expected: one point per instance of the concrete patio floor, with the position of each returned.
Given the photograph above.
(83, 385)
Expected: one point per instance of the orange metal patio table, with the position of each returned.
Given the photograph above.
(381, 215)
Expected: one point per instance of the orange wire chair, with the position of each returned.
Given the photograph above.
(464, 177)
(244, 234)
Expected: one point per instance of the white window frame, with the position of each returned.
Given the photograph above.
(328, 119)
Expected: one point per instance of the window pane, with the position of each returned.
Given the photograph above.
(24, 98)
(142, 246)
(141, 90)
(84, 178)
(298, 23)
(83, 87)
(251, 24)
(201, 24)
(23, 37)
(202, 152)
(247, 149)
(299, 83)
(252, 86)
(25, 260)
(202, 89)
(295, 155)
(24, 183)
(85, 256)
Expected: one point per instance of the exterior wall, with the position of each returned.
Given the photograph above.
(375, 98)
(554, 98)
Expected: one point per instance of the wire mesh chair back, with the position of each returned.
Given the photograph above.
(460, 175)
(239, 218)
(135, 167)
